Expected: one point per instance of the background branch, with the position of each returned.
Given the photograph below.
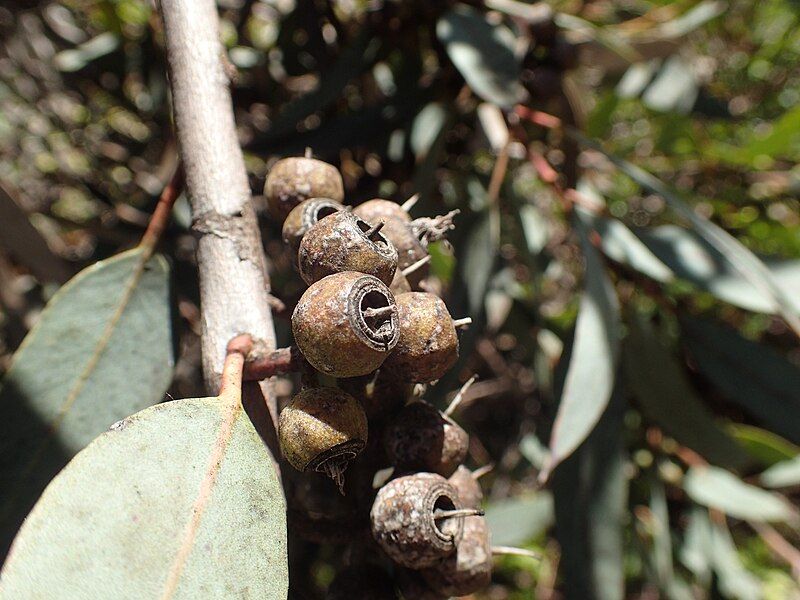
(233, 279)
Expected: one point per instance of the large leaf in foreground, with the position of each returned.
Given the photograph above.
(178, 501)
(519, 520)
(667, 398)
(753, 375)
(483, 53)
(590, 375)
(101, 351)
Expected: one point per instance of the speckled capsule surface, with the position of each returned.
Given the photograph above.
(304, 216)
(376, 209)
(400, 284)
(409, 248)
(420, 438)
(333, 328)
(343, 242)
(292, 180)
(380, 395)
(469, 568)
(402, 520)
(428, 344)
(469, 490)
(321, 425)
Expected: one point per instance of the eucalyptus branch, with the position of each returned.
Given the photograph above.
(233, 279)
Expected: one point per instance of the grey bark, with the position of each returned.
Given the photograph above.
(233, 278)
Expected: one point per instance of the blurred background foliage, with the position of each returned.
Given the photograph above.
(704, 95)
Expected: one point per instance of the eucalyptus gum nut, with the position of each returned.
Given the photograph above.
(469, 568)
(403, 524)
(332, 328)
(378, 209)
(428, 344)
(469, 490)
(292, 180)
(322, 428)
(304, 216)
(420, 438)
(380, 395)
(400, 284)
(342, 242)
(409, 248)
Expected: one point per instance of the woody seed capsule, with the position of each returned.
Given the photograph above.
(404, 523)
(292, 180)
(469, 568)
(304, 216)
(343, 242)
(346, 324)
(420, 438)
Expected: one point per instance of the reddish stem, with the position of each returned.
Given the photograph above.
(277, 362)
(160, 218)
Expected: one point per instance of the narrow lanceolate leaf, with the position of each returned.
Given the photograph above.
(717, 488)
(101, 351)
(590, 492)
(694, 259)
(483, 53)
(590, 375)
(741, 259)
(178, 501)
(752, 375)
(666, 397)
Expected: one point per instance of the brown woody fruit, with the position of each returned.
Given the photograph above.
(304, 216)
(467, 486)
(409, 247)
(420, 438)
(378, 209)
(292, 180)
(343, 242)
(367, 582)
(346, 324)
(469, 568)
(380, 395)
(322, 429)
(428, 344)
(417, 519)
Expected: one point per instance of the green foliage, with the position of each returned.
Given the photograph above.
(101, 351)
(182, 502)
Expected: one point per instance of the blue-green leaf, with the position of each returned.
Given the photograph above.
(591, 372)
(102, 350)
(717, 488)
(483, 53)
(180, 500)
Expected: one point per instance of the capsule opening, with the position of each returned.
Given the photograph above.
(377, 310)
(445, 527)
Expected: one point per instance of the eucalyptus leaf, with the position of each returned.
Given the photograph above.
(102, 350)
(752, 375)
(483, 53)
(519, 520)
(783, 474)
(593, 362)
(667, 398)
(766, 447)
(590, 490)
(181, 500)
(719, 489)
(480, 258)
(739, 257)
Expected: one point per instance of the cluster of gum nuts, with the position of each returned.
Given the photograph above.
(371, 341)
